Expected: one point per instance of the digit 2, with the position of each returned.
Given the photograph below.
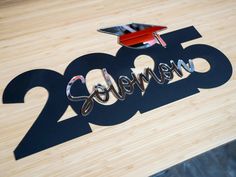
(45, 131)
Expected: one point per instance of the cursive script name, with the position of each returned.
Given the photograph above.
(125, 84)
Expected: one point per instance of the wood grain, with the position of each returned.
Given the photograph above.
(50, 34)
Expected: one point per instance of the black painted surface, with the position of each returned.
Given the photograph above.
(219, 162)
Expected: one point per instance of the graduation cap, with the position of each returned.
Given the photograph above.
(137, 35)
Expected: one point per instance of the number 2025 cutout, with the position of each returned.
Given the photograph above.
(47, 131)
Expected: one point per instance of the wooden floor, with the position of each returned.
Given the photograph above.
(50, 34)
